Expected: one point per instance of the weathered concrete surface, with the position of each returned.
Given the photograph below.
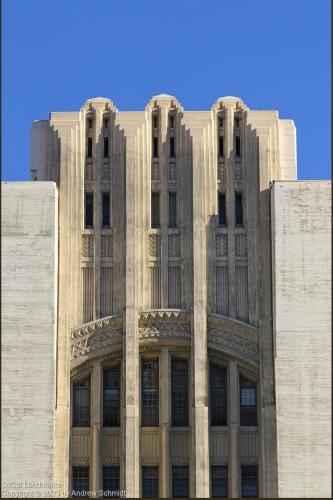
(301, 268)
(29, 293)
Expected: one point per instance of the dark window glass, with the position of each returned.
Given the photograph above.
(111, 482)
(219, 481)
(80, 481)
(89, 148)
(149, 482)
(238, 149)
(249, 481)
(155, 210)
(111, 396)
(90, 123)
(172, 147)
(222, 210)
(89, 211)
(172, 209)
(180, 482)
(248, 402)
(221, 146)
(172, 121)
(155, 147)
(106, 123)
(239, 209)
(220, 122)
(106, 210)
(149, 382)
(81, 403)
(179, 399)
(106, 147)
(237, 122)
(155, 122)
(218, 395)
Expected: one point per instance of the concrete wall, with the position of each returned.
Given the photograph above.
(29, 313)
(302, 293)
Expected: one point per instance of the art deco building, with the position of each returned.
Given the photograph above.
(169, 259)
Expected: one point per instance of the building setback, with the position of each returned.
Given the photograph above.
(189, 260)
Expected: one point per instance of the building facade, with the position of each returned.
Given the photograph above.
(170, 349)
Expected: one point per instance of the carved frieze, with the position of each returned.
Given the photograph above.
(235, 345)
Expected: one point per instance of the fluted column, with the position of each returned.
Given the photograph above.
(96, 427)
(165, 422)
(234, 430)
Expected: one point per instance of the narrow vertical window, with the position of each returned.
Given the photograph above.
(220, 122)
(81, 403)
(149, 383)
(111, 481)
(90, 123)
(155, 121)
(155, 209)
(221, 146)
(106, 210)
(222, 210)
(89, 211)
(237, 122)
(238, 148)
(155, 147)
(80, 481)
(171, 121)
(180, 482)
(249, 481)
(89, 148)
(105, 123)
(172, 147)
(219, 481)
(179, 390)
(150, 482)
(106, 147)
(172, 209)
(218, 395)
(111, 396)
(238, 209)
(248, 401)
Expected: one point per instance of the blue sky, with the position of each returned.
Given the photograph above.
(274, 54)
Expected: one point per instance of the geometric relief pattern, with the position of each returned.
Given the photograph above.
(106, 246)
(165, 331)
(235, 345)
(221, 245)
(97, 340)
(241, 245)
(154, 246)
(87, 245)
(174, 245)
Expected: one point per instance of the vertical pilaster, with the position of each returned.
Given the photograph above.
(234, 431)
(200, 435)
(165, 390)
(131, 338)
(96, 427)
(164, 137)
(98, 207)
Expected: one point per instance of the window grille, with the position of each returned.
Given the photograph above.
(150, 482)
(180, 482)
(81, 403)
(111, 396)
(248, 402)
(80, 481)
(179, 399)
(111, 477)
(218, 395)
(219, 478)
(149, 382)
(249, 481)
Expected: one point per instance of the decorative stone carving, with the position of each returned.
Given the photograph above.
(87, 245)
(154, 246)
(241, 245)
(174, 245)
(165, 331)
(95, 341)
(221, 245)
(235, 345)
(153, 315)
(107, 246)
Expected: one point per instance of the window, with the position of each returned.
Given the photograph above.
(172, 147)
(149, 383)
(81, 403)
(220, 122)
(180, 482)
(149, 482)
(249, 481)
(172, 209)
(106, 210)
(239, 209)
(222, 210)
(221, 146)
(90, 123)
(172, 121)
(106, 123)
(111, 396)
(155, 121)
(155, 147)
(238, 149)
(106, 147)
(218, 395)
(111, 482)
(219, 480)
(248, 402)
(80, 481)
(237, 122)
(155, 209)
(179, 389)
(89, 148)
(89, 211)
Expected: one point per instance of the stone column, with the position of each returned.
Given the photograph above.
(96, 427)
(165, 390)
(234, 431)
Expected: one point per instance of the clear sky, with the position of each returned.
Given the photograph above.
(274, 54)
